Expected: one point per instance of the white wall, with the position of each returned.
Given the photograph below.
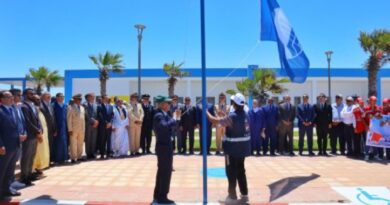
(192, 87)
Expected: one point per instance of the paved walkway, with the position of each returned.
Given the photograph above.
(270, 179)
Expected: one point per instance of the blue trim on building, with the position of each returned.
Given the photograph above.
(212, 72)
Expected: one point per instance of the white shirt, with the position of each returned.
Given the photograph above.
(348, 116)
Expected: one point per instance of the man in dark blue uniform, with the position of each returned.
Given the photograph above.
(162, 125)
(271, 121)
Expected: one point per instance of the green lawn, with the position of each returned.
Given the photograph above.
(213, 147)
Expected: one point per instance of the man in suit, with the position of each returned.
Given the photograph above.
(147, 124)
(271, 122)
(162, 125)
(177, 140)
(48, 112)
(286, 126)
(210, 109)
(323, 123)
(306, 116)
(34, 135)
(221, 109)
(105, 116)
(12, 133)
(136, 116)
(76, 128)
(91, 125)
(187, 125)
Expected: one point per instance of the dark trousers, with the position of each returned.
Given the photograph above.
(176, 142)
(29, 149)
(357, 144)
(322, 138)
(105, 142)
(308, 130)
(337, 133)
(271, 137)
(286, 133)
(190, 131)
(235, 172)
(388, 153)
(349, 133)
(7, 169)
(208, 137)
(164, 172)
(146, 139)
(255, 142)
(50, 138)
(90, 141)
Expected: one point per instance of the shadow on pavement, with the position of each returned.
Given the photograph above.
(286, 185)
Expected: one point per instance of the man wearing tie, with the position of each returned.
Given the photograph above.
(12, 133)
(323, 122)
(105, 116)
(306, 116)
(34, 135)
(286, 126)
(187, 125)
(271, 122)
(76, 128)
(48, 112)
(147, 124)
(91, 125)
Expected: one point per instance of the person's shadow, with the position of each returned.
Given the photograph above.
(286, 185)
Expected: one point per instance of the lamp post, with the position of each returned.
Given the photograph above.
(140, 28)
(329, 58)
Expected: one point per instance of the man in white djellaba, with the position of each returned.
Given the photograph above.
(120, 126)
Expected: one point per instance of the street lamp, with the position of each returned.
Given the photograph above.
(140, 28)
(329, 58)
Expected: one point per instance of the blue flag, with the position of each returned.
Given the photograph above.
(275, 27)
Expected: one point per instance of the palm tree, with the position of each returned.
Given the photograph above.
(107, 63)
(43, 76)
(39, 76)
(377, 45)
(264, 82)
(52, 79)
(173, 71)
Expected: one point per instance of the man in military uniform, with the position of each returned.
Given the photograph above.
(221, 109)
(147, 124)
(76, 128)
(162, 125)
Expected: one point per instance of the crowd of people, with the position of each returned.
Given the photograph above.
(42, 131)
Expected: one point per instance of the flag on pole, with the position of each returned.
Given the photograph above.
(275, 27)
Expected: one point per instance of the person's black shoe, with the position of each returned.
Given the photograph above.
(342, 153)
(12, 193)
(74, 161)
(265, 153)
(273, 154)
(217, 153)
(148, 152)
(165, 201)
(300, 154)
(292, 154)
(334, 153)
(258, 153)
(312, 154)
(320, 153)
(326, 154)
(27, 182)
(208, 153)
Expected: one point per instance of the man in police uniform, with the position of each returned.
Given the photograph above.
(162, 125)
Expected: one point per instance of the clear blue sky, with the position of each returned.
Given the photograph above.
(61, 34)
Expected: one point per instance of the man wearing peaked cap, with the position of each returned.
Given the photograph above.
(76, 128)
(163, 124)
(147, 124)
(136, 116)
